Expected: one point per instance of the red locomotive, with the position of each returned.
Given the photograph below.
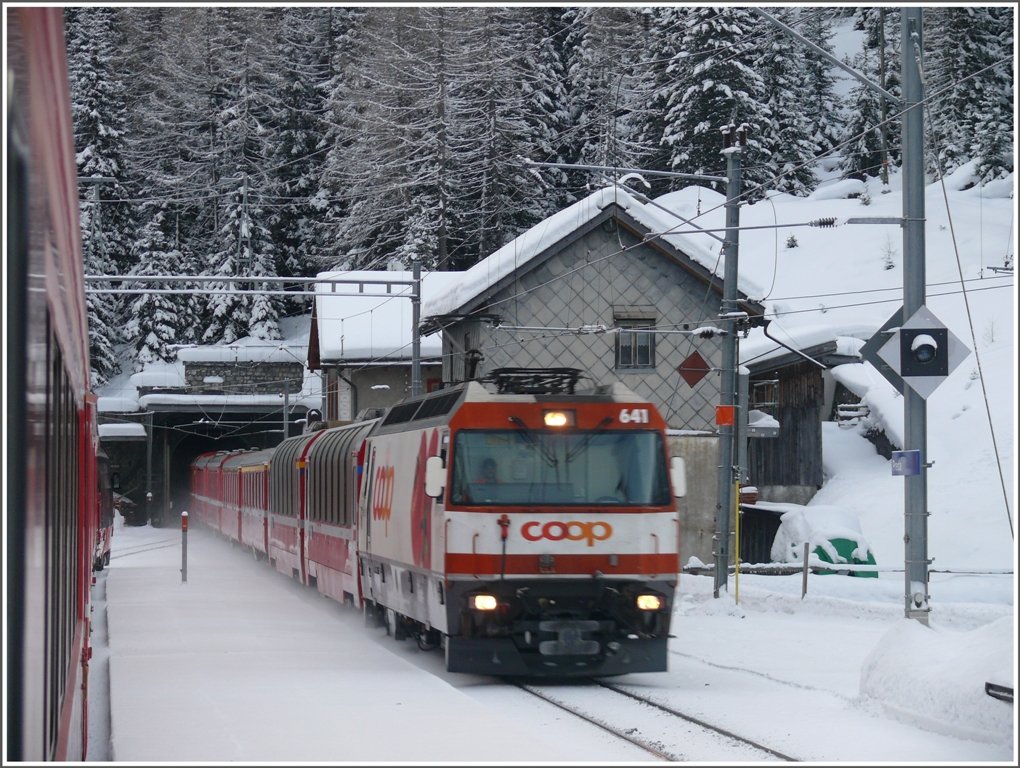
(54, 496)
(526, 528)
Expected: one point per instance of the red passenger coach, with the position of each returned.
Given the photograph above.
(229, 494)
(287, 493)
(54, 495)
(332, 483)
(242, 517)
(104, 511)
(253, 514)
(207, 489)
(294, 504)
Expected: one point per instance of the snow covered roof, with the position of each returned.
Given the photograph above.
(376, 324)
(122, 431)
(121, 394)
(309, 397)
(703, 249)
(847, 340)
(125, 403)
(162, 376)
(293, 347)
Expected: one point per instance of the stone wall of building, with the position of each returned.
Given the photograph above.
(243, 378)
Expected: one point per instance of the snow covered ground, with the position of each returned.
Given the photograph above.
(239, 663)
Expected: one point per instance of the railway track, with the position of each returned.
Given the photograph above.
(666, 733)
(118, 552)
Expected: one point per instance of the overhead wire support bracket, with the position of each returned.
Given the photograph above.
(823, 223)
(877, 220)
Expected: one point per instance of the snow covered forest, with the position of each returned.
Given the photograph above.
(249, 142)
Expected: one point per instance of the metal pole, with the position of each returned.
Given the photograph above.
(415, 334)
(184, 547)
(724, 507)
(286, 408)
(743, 412)
(148, 468)
(740, 465)
(915, 413)
(803, 585)
(95, 181)
(736, 542)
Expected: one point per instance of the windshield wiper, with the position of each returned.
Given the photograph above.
(529, 437)
(583, 443)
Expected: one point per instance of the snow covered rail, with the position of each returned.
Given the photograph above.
(614, 709)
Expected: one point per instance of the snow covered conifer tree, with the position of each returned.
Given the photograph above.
(787, 137)
(969, 89)
(302, 52)
(862, 144)
(818, 102)
(155, 319)
(717, 86)
(663, 61)
(97, 108)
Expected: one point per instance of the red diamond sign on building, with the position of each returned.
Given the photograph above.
(693, 369)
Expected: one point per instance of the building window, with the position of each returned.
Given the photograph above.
(764, 395)
(635, 344)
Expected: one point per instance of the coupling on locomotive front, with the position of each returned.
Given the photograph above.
(528, 529)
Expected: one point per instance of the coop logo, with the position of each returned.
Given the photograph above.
(571, 531)
(382, 494)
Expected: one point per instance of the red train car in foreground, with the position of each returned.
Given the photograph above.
(104, 511)
(53, 487)
(562, 563)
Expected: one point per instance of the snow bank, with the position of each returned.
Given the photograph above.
(934, 678)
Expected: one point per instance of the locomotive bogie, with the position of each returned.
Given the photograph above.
(559, 628)
(417, 596)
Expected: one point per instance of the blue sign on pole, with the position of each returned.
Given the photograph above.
(906, 462)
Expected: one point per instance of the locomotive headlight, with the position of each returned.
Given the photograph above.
(649, 602)
(559, 418)
(483, 602)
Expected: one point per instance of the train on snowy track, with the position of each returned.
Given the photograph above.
(58, 516)
(525, 527)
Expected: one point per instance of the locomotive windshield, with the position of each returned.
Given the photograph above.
(523, 466)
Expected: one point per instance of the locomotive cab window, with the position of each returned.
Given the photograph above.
(589, 467)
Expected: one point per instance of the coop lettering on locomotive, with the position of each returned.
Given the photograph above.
(569, 531)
